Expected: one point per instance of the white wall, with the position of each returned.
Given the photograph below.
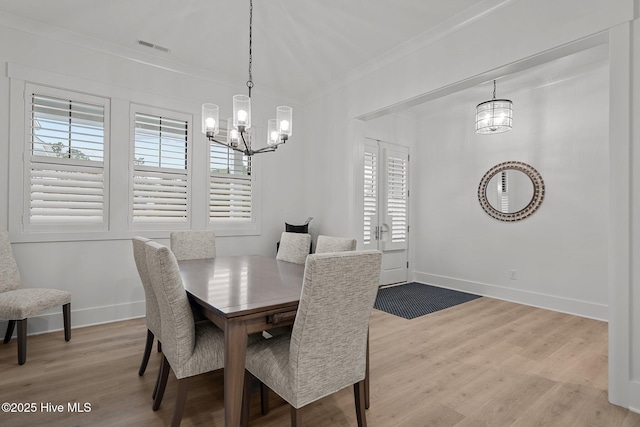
(99, 270)
(441, 63)
(560, 252)
(324, 184)
(524, 29)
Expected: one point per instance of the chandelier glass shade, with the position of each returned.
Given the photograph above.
(238, 126)
(494, 116)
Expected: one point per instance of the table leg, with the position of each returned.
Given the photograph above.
(235, 352)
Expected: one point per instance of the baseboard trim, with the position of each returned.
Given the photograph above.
(550, 302)
(51, 322)
(634, 396)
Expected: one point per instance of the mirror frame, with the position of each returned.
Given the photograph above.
(534, 204)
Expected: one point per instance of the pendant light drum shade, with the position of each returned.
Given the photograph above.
(495, 116)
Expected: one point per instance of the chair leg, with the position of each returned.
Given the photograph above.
(296, 417)
(264, 398)
(10, 326)
(147, 352)
(246, 399)
(162, 384)
(66, 314)
(22, 341)
(158, 378)
(358, 392)
(249, 384)
(181, 399)
(159, 347)
(367, 379)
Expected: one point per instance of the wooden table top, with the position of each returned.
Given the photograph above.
(241, 285)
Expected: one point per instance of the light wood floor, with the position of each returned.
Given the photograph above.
(483, 363)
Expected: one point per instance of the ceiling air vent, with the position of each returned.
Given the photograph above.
(153, 46)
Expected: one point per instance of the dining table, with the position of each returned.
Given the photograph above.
(243, 295)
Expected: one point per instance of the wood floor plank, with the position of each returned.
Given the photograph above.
(482, 363)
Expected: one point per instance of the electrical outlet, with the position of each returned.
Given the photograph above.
(513, 274)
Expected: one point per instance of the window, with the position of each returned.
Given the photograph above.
(230, 185)
(66, 183)
(161, 168)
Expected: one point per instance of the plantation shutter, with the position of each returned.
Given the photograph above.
(66, 174)
(503, 192)
(396, 199)
(160, 169)
(230, 185)
(370, 197)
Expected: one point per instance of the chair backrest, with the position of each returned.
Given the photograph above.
(151, 302)
(329, 337)
(294, 247)
(334, 244)
(178, 328)
(193, 244)
(9, 273)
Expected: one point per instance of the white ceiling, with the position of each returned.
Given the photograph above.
(299, 46)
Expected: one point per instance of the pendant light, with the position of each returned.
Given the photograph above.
(495, 116)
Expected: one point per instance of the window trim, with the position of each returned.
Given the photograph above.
(33, 227)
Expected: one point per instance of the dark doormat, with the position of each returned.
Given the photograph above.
(412, 300)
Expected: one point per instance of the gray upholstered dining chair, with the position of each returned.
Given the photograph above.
(193, 244)
(189, 348)
(18, 303)
(294, 247)
(334, 244)
(152, 318)
(327, 348)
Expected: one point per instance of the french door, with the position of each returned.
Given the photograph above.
(386, 207)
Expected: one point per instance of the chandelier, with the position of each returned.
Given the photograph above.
(238, 137)
(495, 116)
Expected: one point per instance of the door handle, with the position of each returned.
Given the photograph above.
(384, 228)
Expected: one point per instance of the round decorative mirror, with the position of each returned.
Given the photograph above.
(511, 191)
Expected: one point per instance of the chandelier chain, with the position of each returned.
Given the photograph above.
(494, 89)
(250, 81)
